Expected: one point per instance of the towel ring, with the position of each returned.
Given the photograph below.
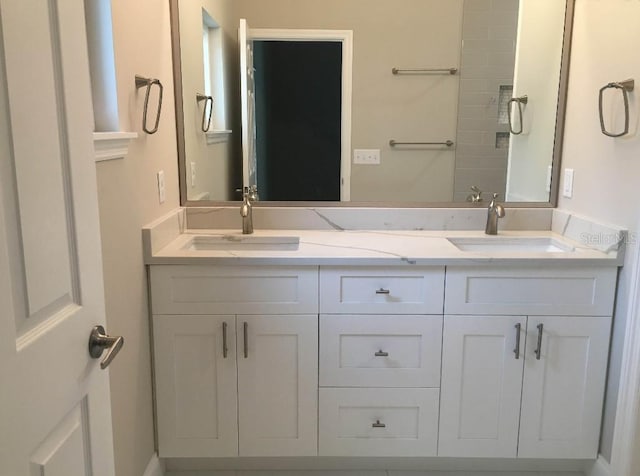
(142, 82)
(206, 99)
(519, 101)
(626, 87)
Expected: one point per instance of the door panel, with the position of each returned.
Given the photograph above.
(55, 416)
(196, 385)
(563, 390)
(481, 386)
(278, 385)
(248, 107)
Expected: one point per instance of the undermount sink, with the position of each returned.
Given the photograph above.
(242, 243)
(501, 244)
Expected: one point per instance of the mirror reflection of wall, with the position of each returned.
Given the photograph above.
(487, 41)
(208, 27)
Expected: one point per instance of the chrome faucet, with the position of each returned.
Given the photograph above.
(494, 212)
(246, 209)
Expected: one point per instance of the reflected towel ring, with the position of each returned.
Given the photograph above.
(626, 87)
(142, 82)
(520, 101)
(205, 119)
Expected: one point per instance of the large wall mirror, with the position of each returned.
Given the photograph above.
(370, 102)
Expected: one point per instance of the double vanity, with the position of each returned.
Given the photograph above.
(398, 343)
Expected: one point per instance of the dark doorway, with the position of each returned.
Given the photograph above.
(298, 88)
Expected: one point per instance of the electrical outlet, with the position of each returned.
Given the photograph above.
(567, 187)
(161, 187)
(366, 156)
(193, 174)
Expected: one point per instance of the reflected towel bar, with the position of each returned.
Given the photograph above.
(206, 99)
(394, 143)
(424, 70)
(626, 87)
(142, 82)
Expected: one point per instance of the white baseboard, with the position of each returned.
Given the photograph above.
(600, 468)
(155, 467)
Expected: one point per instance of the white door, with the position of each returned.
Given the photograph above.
(196, 385)
(248, 107)
(55, 416)
(563, 390)
(277, 385)
(482, 365)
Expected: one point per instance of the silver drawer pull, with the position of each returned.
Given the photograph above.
(538, 350)
(382, 291)
(225, 349)
(377, 424)
(518, 332)
(380, 353)
(246, 340)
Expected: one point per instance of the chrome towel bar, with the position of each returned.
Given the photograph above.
(395, 143)
(424, 71)
(626, 87)
(142, 82)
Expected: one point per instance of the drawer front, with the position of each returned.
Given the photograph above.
(381, 290)
(567, 291)
(378, 422)
(380, 351)
(234, 290)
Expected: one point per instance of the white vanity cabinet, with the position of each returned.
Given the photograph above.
(235, 384)
(529, 385)
(489, 361)
(380, 347)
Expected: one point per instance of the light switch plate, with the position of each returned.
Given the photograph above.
(567, 187)
(366, 156)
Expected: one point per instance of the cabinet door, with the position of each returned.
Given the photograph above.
(563, 389)
(481, 386)
(278, 385)
(196, 385)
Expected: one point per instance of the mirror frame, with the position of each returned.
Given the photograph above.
(557, 146)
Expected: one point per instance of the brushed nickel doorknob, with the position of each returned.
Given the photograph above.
(99, 341)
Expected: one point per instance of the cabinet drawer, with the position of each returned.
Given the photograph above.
(567, 291)
(380, 351)
(381, 290)
(234, 290)
(378, 422)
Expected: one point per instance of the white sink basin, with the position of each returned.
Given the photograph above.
(242, 243)
(501, 244)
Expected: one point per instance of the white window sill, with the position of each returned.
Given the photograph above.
(112, 145)
(217, 136)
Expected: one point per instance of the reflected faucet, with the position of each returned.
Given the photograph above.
(246, 209)
(494, 212)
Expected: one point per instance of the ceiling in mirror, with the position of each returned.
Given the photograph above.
(369, 101)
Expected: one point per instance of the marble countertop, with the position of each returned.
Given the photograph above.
(376, 248)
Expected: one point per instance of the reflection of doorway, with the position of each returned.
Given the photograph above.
(303, 114)
(298, 91)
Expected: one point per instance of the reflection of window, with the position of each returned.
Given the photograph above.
(213, 62)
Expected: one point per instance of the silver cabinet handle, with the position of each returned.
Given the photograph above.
(225, 349)
(382, 291)
(377, 424)
(518, 332)
(380, 353)
(538, 350)
(99, 341)
(246, 340)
